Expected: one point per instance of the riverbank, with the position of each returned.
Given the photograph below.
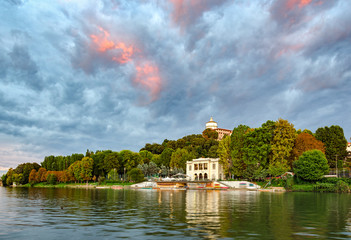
(78, 185)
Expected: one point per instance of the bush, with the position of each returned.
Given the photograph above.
(311, 165)
(342, 187)
(51, 179)
(303, 188)
(136, 175)
(324, 187)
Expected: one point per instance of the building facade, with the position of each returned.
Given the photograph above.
(348, 149)
(221, 131)
(204, 169)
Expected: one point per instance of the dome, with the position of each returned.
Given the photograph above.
(211, 124)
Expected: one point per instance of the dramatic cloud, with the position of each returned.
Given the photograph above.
(116, 74)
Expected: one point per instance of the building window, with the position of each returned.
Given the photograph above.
(205, 166)
(195, 167)
(200, 166)
(189, 167)
(214, 166)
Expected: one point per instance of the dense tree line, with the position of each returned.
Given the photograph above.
(252, 153)
(273, 148)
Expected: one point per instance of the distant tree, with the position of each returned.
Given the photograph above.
(225, 158)
(51, 179)
(179, 158)
(165, 157)
(136, 175)
(257, 147)
(129, 159)
(32, 176)
(236, 147)
(3, 179)
(9, 177)
(282, 145)
(86, 171)
(18, 178)
(209, 133)
(311, 165)
(111, 161)
(40, 176)
(303, 143)
(145, 156)
(153, 148)
(334, 141)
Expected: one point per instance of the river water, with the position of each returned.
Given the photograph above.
(34, 213)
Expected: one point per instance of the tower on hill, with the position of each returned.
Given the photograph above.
(221, 131)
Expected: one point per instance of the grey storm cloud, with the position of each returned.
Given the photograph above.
(117, 74)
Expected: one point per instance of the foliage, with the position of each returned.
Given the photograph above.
(113, 175)
(111, 161)
(32, 177)
(180, 157)
(305, 142)
(334, 141)
(86, 168)
(154, 148)
(24, 169)
(145, 156)
(149, 169)
(311, 165)
(209, 133)
(342, 187)
(60, 163)
(51, 179)
(257, 147)
(282, 145)
(3, 179)
(225, 158)
(136, 175)
(236, 147)
(165, 157)
(128, 159)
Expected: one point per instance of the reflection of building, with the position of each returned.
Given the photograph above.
(204, 168)
(221, 131)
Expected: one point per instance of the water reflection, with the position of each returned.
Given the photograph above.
(157, 214)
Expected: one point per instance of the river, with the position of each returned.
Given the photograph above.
(35, 213)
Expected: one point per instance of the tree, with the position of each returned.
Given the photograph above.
(111, 161)
(225, 158)
(179, 158)
(32, 177)
(303, 143)
(334, 141)
(9, 177)
(257, 147)
(136, 175)
(40, 176)
(86, 171)
(145, 156)
(311, 165)
(51, 179)
(282, 145)
(129, 159)
(209, 133)
(165, 157)
(236, 147)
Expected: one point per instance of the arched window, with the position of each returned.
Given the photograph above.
(205, 176)
(200, 176)
(196, 176)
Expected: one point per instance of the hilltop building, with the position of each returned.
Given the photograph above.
(348, 149)
(204, 169)
(221, 131)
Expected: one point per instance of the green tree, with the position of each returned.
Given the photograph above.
(145, 156)
(111, 161)
(179, 158)
(165, 157)
(236, 147)
(257, 147)
(282, 145)
(311, 165)
(225, 158)
(86, 171)
(129, 159)
(9, 177)
(51, 179)
(136, 175)
(334, 141)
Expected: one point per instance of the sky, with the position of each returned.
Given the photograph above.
(116, 74)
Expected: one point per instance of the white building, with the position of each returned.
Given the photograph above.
(204, 169)
(348, 149)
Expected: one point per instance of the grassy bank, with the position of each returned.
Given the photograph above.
(76, 185)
